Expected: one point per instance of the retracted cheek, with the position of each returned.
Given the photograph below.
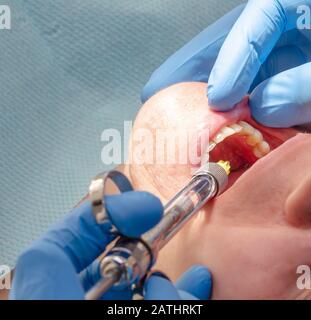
(298, 205)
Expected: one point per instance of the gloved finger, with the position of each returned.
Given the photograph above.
(196, 281)
(134, 213)
(83, 240)
(280, 59)
(283, 100)
(91, 275)
(247, 46)
(44, 272)
(194, 61)
(159, 287)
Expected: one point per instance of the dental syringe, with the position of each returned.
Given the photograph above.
(129, 261)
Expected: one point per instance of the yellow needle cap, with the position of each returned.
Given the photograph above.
(225, 165)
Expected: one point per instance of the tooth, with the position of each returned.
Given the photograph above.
(264, 147)
(259, 135)
(255, 138)
(205, 156)
(237, 128)
(246, 128)
(218, 138)
(211, 146)
(223, 134)
(261, 149)
(227, 131)
(258, 153)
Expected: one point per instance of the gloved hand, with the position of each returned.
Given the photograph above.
(258, 51)
(62, 264)
(194, 284)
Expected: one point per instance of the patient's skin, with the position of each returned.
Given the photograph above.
(245, 238)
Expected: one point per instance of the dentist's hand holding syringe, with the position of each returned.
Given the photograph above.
(62, 263)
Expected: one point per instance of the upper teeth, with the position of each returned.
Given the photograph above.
(223, 134)
(254, 138)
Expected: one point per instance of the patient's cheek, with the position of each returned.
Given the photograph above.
(298, 205)
(162, 142)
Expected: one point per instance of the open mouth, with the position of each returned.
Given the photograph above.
(242, 141)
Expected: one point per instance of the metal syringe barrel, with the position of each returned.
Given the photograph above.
(130, 259)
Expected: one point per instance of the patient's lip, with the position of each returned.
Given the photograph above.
(218, 120)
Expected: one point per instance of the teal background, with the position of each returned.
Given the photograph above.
(68, 71)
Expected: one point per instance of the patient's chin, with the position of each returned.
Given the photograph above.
(242, 237)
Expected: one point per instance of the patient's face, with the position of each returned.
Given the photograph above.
(248, 237)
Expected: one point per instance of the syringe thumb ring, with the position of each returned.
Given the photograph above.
(128, 261)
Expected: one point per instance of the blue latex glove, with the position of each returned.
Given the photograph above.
(194, 284)
(255, 49)
(62, 264)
